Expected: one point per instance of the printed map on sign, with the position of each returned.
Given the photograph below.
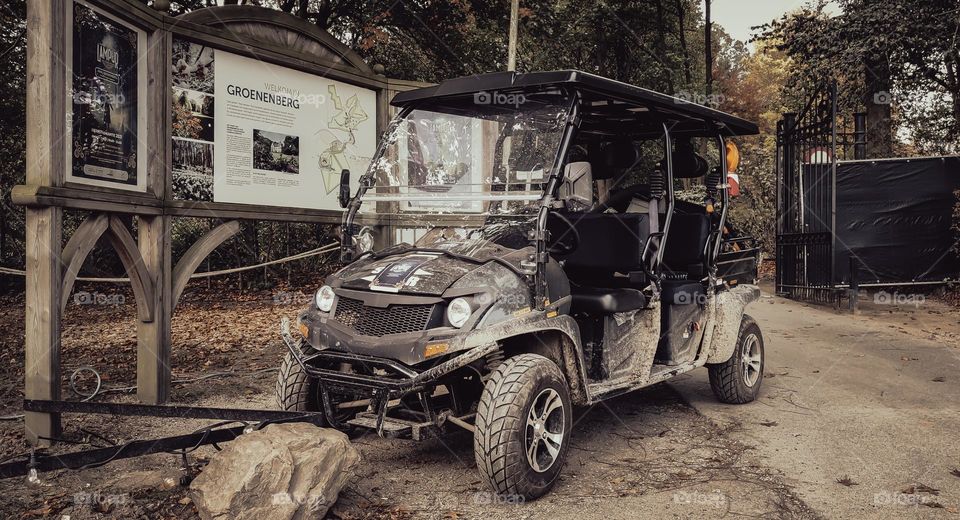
(339, 139)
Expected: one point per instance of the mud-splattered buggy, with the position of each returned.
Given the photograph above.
(543, 263)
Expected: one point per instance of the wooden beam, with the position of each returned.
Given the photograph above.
(76, 251)
(202, 248)
(142, 281)
(45, 124)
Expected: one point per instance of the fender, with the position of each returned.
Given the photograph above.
(530, 325)
(730, 307)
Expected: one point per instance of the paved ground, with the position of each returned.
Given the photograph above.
(873, 400)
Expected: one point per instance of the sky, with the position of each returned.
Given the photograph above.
(737, 16)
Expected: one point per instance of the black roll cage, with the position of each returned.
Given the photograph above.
(539, 237)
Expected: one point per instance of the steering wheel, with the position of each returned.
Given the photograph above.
(568, 242)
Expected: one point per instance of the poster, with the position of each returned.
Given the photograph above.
(249, 132)
(106, 115)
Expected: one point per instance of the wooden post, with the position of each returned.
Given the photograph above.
(153, 338)
(153, 240)
(46, 109)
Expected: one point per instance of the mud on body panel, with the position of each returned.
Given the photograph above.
(730, 307)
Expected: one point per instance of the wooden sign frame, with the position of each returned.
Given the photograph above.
(271, 36)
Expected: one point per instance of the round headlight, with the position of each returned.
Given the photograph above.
(325, 298)
(458, 312)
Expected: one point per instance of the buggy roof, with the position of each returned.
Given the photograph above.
(603, 98)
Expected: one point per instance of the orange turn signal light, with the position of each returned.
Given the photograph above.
(304, 331)
(435, 349)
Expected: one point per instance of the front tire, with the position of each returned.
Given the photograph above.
(523, 426)
(296, 391)
(738, 380)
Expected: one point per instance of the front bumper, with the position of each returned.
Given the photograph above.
(397, 380)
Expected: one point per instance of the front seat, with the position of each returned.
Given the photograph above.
(610, 243)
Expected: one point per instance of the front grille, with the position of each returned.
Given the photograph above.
(375, 321)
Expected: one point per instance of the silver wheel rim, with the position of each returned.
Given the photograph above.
(543, 434)
(752, 360)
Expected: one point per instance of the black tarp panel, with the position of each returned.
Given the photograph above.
(895, 216)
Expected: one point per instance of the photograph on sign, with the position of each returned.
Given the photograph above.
(193, 121)
(107, 112)
(276, 152)
(276, 136)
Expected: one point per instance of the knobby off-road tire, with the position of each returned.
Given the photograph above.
(296, 391)
(738, 380)
(527, 395)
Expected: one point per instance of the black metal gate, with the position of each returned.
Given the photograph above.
(809, 144)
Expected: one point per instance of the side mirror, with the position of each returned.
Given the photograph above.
(344, 196)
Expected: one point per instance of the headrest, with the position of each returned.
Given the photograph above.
(621, 154)
(687, 163)
(613, 158)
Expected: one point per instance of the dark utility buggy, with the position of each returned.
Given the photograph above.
(544, 261)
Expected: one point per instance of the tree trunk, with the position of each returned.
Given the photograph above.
(708, 47)
(877, 99)
(662, 48)
(682, 33)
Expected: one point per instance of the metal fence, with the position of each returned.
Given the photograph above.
(809, 144)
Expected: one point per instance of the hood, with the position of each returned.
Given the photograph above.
(403, 270)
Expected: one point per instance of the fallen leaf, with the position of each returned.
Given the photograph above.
(847, 481)
(920, 488)
(769, 423)
(939, 379)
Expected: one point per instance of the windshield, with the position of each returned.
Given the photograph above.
(485, 155)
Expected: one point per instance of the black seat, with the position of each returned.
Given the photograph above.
(684, 256)
(609, 243)
(600, 300)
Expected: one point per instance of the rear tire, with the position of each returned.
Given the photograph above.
(523, 427)
(738, 380)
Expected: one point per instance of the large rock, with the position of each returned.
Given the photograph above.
(284, 471)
